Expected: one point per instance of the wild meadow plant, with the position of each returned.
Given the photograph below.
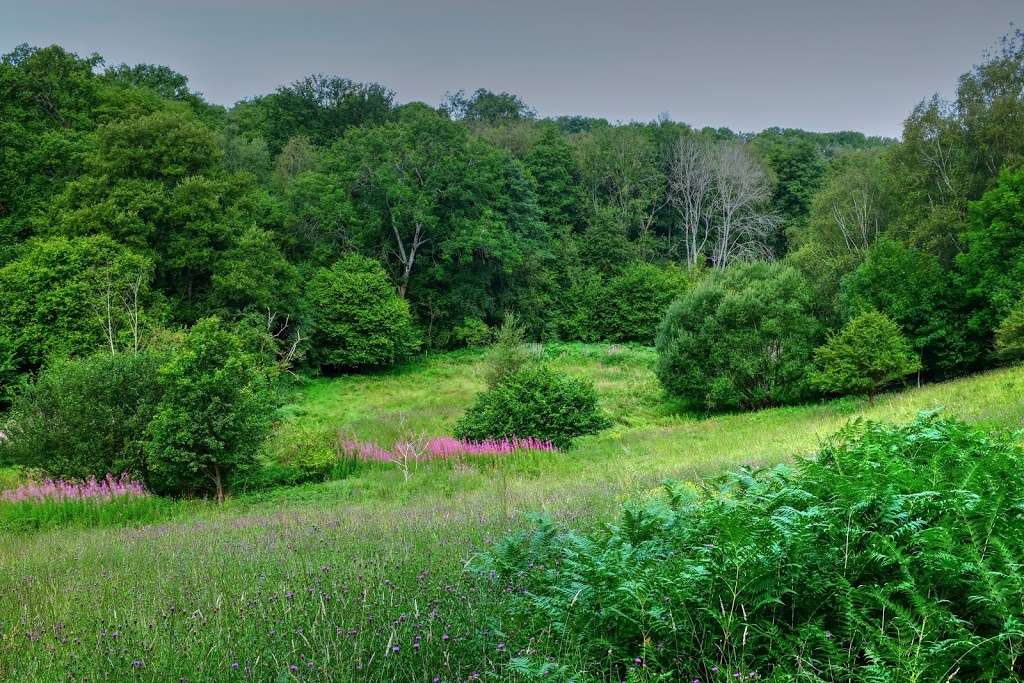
(90, 502)
(104, 489)
(894, 555)
(441, 448)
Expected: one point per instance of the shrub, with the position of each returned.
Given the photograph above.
(634, 302)
(739, 339)
(893, 556)
(534, 402)
(358, 319)
(867, 354)
(471, 333)
(86, 417)
(1010, 334)
(213, 416)
(509, 353)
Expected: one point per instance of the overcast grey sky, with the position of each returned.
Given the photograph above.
(746, 64)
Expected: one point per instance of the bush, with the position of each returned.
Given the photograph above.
(1010, 334)
(740, 339)
(509, 353)
(536, 402)
(893, 556)
(472, 333)
(867, 354)
(86, 417)
(634, 302)
(358, 319)
(213, 416)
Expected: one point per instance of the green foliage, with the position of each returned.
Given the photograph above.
(509, 352)
(992, 262)
(471, 333)
(633, 303)
(866, 355)
(911, 287)
(1010, 334)
(86, 417)
(534, 401)
(559, 193)
(358, 319)
(854, 205)
(67, 297)
(893, 556)
(484, 106)
(253, 274)
(318, 107)
(740, 339)
(213, 416)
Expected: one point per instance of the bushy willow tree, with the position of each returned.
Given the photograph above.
(742, 339)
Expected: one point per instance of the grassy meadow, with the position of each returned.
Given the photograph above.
(364, 578)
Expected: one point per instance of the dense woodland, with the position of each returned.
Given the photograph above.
(326, 228)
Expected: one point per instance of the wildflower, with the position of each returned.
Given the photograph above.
(137, 664)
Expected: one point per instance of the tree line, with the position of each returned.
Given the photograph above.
(327, 228)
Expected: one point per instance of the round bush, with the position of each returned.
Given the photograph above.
(537, 402)
(358, 319)
(472, 333)
(85, 417)
(635, 301)
(740, 339)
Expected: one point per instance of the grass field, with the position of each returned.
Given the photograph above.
(364, 578)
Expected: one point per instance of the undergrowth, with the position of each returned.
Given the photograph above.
(895, 555)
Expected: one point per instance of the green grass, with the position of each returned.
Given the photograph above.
(191, 596)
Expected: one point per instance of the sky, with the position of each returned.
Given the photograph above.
(746, 64)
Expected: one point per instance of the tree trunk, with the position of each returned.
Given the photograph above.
(219, 484)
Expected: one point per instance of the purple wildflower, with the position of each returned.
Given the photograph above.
(108, 488)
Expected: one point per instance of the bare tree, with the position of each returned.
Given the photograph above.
(721, 193)
(132, 305)
(742, 191)
(118, 304)
(287, 340)
(690, 181)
